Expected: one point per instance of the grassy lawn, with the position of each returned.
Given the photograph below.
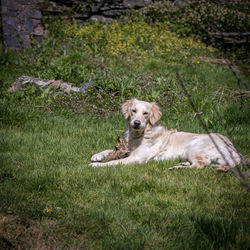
(49, 195)
(46, 181)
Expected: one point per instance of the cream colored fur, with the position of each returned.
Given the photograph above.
(148, 141)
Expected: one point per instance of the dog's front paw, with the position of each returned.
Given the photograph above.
(97, 157)
(96, 164)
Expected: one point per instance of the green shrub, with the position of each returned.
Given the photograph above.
(201, 17)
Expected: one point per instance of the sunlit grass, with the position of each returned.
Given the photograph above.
(47, 140)
(45, 176)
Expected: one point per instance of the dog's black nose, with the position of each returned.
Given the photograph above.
(137, 123)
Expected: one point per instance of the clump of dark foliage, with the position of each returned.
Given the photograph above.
(201, 17)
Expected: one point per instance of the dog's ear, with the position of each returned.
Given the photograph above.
(155, 115)
(126, 108)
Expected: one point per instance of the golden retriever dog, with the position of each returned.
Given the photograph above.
(148, 141)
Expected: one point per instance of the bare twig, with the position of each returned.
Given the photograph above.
(239, 175)
(239, 81)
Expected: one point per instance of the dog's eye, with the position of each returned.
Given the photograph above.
(145, 113)
(133, 111)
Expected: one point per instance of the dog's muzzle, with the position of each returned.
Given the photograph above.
(136, 124)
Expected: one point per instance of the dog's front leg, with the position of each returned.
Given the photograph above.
(101, 156)
(125, 161)
(140, 155)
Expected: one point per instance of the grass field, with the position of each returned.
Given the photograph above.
(51, 198)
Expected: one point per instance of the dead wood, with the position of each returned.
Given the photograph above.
(56, 84)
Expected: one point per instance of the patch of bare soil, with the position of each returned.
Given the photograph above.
(15, 234)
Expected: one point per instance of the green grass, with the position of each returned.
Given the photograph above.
(47, 140)
(45, 177)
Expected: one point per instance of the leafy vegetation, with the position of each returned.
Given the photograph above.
(203, 16)
(47, 139)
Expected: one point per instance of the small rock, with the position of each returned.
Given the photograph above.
(85, 86)
(99, 18)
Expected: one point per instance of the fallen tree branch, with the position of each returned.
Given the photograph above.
(56, 84)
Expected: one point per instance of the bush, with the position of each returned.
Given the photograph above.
(200, 17)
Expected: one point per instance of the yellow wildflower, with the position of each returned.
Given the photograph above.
(47, 210)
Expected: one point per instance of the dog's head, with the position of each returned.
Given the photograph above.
(140, 113)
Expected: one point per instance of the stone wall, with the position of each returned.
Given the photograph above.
(22, 20)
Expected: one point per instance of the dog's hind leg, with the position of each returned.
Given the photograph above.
(182, 165)
(223, 169)
(197, 162)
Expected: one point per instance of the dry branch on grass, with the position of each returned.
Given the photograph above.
(23, 81)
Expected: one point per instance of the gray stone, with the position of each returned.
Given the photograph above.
(25, 2)
(12, 21)
(136, 4)
(8, 29)
(99, 18)
(4, 10)
(12, 42)
(85, 86)
(28, 25)
(38, 31)
(36, 22)
(19, 28)
(81, 16)
(113, 13)
(12, 13)
(52, 7)
(97, 5)
(104, 8)
(11, 4)
(36, 14)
